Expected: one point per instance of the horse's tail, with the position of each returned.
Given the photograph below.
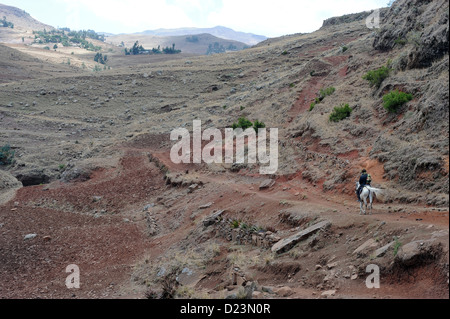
(378, 192)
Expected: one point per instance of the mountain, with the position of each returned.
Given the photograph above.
(21, 19)
(219, 31)
(191, 44)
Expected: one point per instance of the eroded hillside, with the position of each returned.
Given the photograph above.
(93, 151)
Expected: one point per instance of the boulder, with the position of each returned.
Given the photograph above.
(268, 183)
(418, 252)
(288, 243)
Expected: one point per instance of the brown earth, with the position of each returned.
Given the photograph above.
(93, 151)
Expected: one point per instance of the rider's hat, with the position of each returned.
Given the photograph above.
(364, 171)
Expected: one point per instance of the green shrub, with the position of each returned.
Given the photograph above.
(395, 99)
(326, 92)
(257, 125)
(244, 124)
(6, 155)
(344, 49)
(313, 105)
(340, 112)
(376, 77)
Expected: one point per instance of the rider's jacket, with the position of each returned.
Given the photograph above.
(363, 179)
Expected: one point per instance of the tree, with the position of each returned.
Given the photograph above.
(55, 47)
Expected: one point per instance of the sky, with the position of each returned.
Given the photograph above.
(271, 18)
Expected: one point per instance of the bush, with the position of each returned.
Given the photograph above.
(395, 99)
(242, 123)
(6, 155)
(312, 106)
(257, 125)
(326, 92)
(340, 112)
(376, 77)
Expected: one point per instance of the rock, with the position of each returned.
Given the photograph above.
(96, 199)
(284, 292)
(371, 243)
(257, 295)
(269, 290)
(30, 236)
(211, 220)
(47, 238)
(205, 206)
(329, 293)
(192, 188)
(382, 251)
(147, 207)
(288, 243)
(332, 265)
(268, 183)
(354, 277)
(418, 252)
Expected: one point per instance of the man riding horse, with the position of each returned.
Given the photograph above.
(364, 180)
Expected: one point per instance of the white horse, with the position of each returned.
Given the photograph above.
(367, 193)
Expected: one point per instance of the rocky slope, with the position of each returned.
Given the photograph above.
(93, 151)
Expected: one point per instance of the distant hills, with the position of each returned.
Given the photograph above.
(219, 31)
(21, 19)
(198, 44)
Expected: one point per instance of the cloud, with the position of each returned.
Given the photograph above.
(133, 15)
(280, 17)
(266, 17)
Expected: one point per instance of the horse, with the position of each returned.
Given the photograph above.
(367, 193)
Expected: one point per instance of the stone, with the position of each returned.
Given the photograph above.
(268, 183)
(205, 206)
(268, 290)
(329, 293)
(287, 244)
(371, 243)
(383, 250)
(284, 292)
(30, 236)
(418, 252)
(257, 295)
(332, 265)
(211, 220)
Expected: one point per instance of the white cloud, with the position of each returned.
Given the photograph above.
(267, 17)
(280, 17)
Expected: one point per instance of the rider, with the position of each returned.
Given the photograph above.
(363, 181)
